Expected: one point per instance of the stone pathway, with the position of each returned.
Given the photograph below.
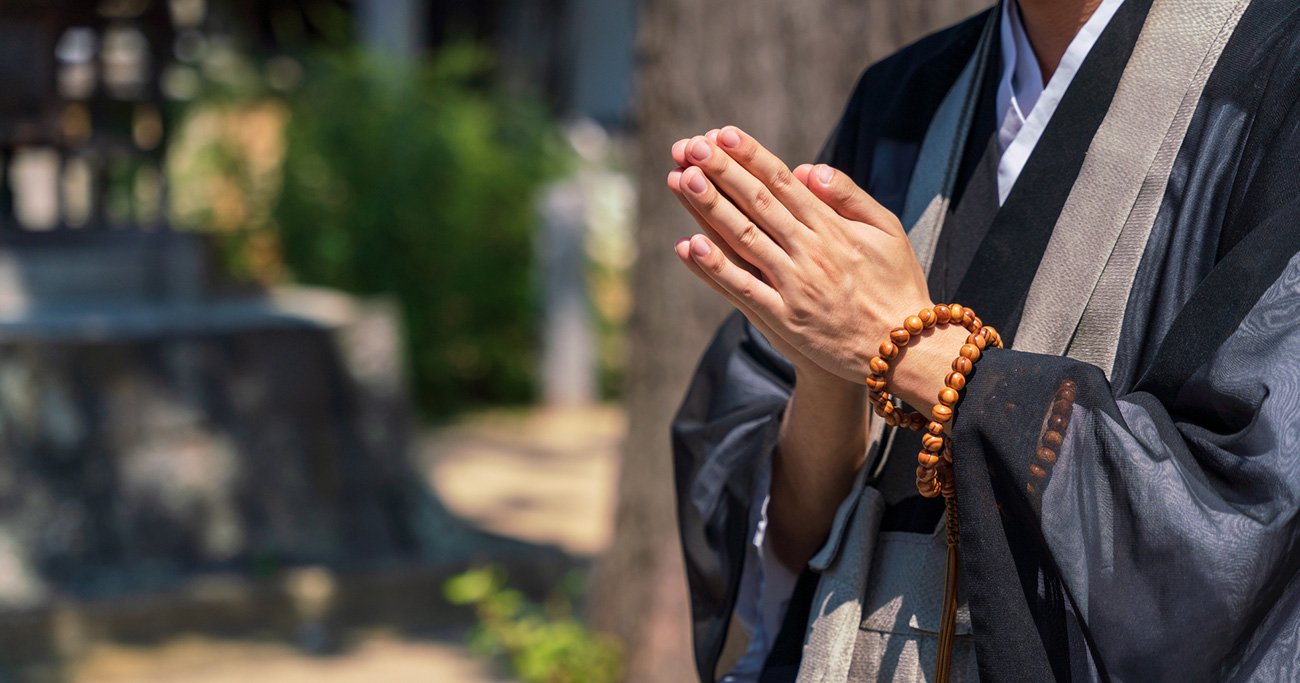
(543, 476)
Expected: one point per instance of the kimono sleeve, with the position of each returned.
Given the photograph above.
(1142, 538)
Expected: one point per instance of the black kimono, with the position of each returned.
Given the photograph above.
(1160, 541)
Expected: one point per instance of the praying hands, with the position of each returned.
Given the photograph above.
(817, 265)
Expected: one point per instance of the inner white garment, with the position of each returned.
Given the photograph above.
(1024, 106)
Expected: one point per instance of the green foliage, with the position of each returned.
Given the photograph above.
(541, 644)
(418, 182)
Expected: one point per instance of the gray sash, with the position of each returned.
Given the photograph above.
(1077, 301)
(1075, 306)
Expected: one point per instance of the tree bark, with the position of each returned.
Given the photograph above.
(782, 71)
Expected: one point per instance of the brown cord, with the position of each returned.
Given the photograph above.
(948, 623)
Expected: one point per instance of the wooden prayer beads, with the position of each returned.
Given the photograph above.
(934, 470)
(1049, 444)
(934, 475)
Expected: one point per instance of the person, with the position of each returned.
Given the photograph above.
(1112, 186)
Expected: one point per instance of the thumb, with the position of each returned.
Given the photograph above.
(850, 201)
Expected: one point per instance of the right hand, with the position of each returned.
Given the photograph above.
(805, 368)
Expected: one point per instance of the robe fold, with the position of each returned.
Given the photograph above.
(1162, 543)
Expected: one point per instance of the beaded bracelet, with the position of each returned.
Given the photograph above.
(934, 462)
(1054, 426)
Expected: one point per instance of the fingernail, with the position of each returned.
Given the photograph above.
(696, 183)
(700, 247)
(700, 150)
(825, 174)
(729, 138)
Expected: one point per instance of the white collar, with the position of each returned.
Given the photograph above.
(1024, 104)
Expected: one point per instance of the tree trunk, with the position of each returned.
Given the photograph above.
(782, 71)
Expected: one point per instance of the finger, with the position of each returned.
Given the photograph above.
(801, 172)
(675, 185)
(774, 174)
(749, 292)
(840, 193)
(683, 249)
(750, 195)
(679, 151)
(712, 135)
(749, 241)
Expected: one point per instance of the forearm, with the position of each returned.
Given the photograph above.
(821, 446)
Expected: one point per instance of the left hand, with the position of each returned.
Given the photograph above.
(838, 272)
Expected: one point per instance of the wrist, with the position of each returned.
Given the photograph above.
(921, 368)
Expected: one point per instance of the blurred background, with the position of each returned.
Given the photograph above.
(339, 339)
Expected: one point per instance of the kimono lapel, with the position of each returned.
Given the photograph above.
(1077, 300)
(1007, 260)
(933, 182)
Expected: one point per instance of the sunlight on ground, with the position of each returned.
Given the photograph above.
(546, 476)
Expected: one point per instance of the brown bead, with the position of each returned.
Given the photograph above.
(932, 443)
(947, 454)
(930, 490)
(979, 340)
(1068, 384)
(1068, 394)
(880, 409)
(956, 380)
(1061, 407)
(917, 421)
(891, 418)
(926, 474)
(1031, 489)
(876, 383)
(900, 336)
(941, 413)
(956, 311)
(948, 396)
(963, 365)
(878, 365)
(934, 428)
(970, 351)
(1052, 439)
(1037, 472)
(942, 314)
(1058, 423)
(927, 317)
(888, 350)
(975, 321)
(927, 459)
(1046, 456)
(913, 325)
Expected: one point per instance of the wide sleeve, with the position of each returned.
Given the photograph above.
(1141, 538)
(723, 437)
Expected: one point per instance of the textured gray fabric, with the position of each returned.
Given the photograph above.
(899, 635)
(1077, 301)
(837, 609)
